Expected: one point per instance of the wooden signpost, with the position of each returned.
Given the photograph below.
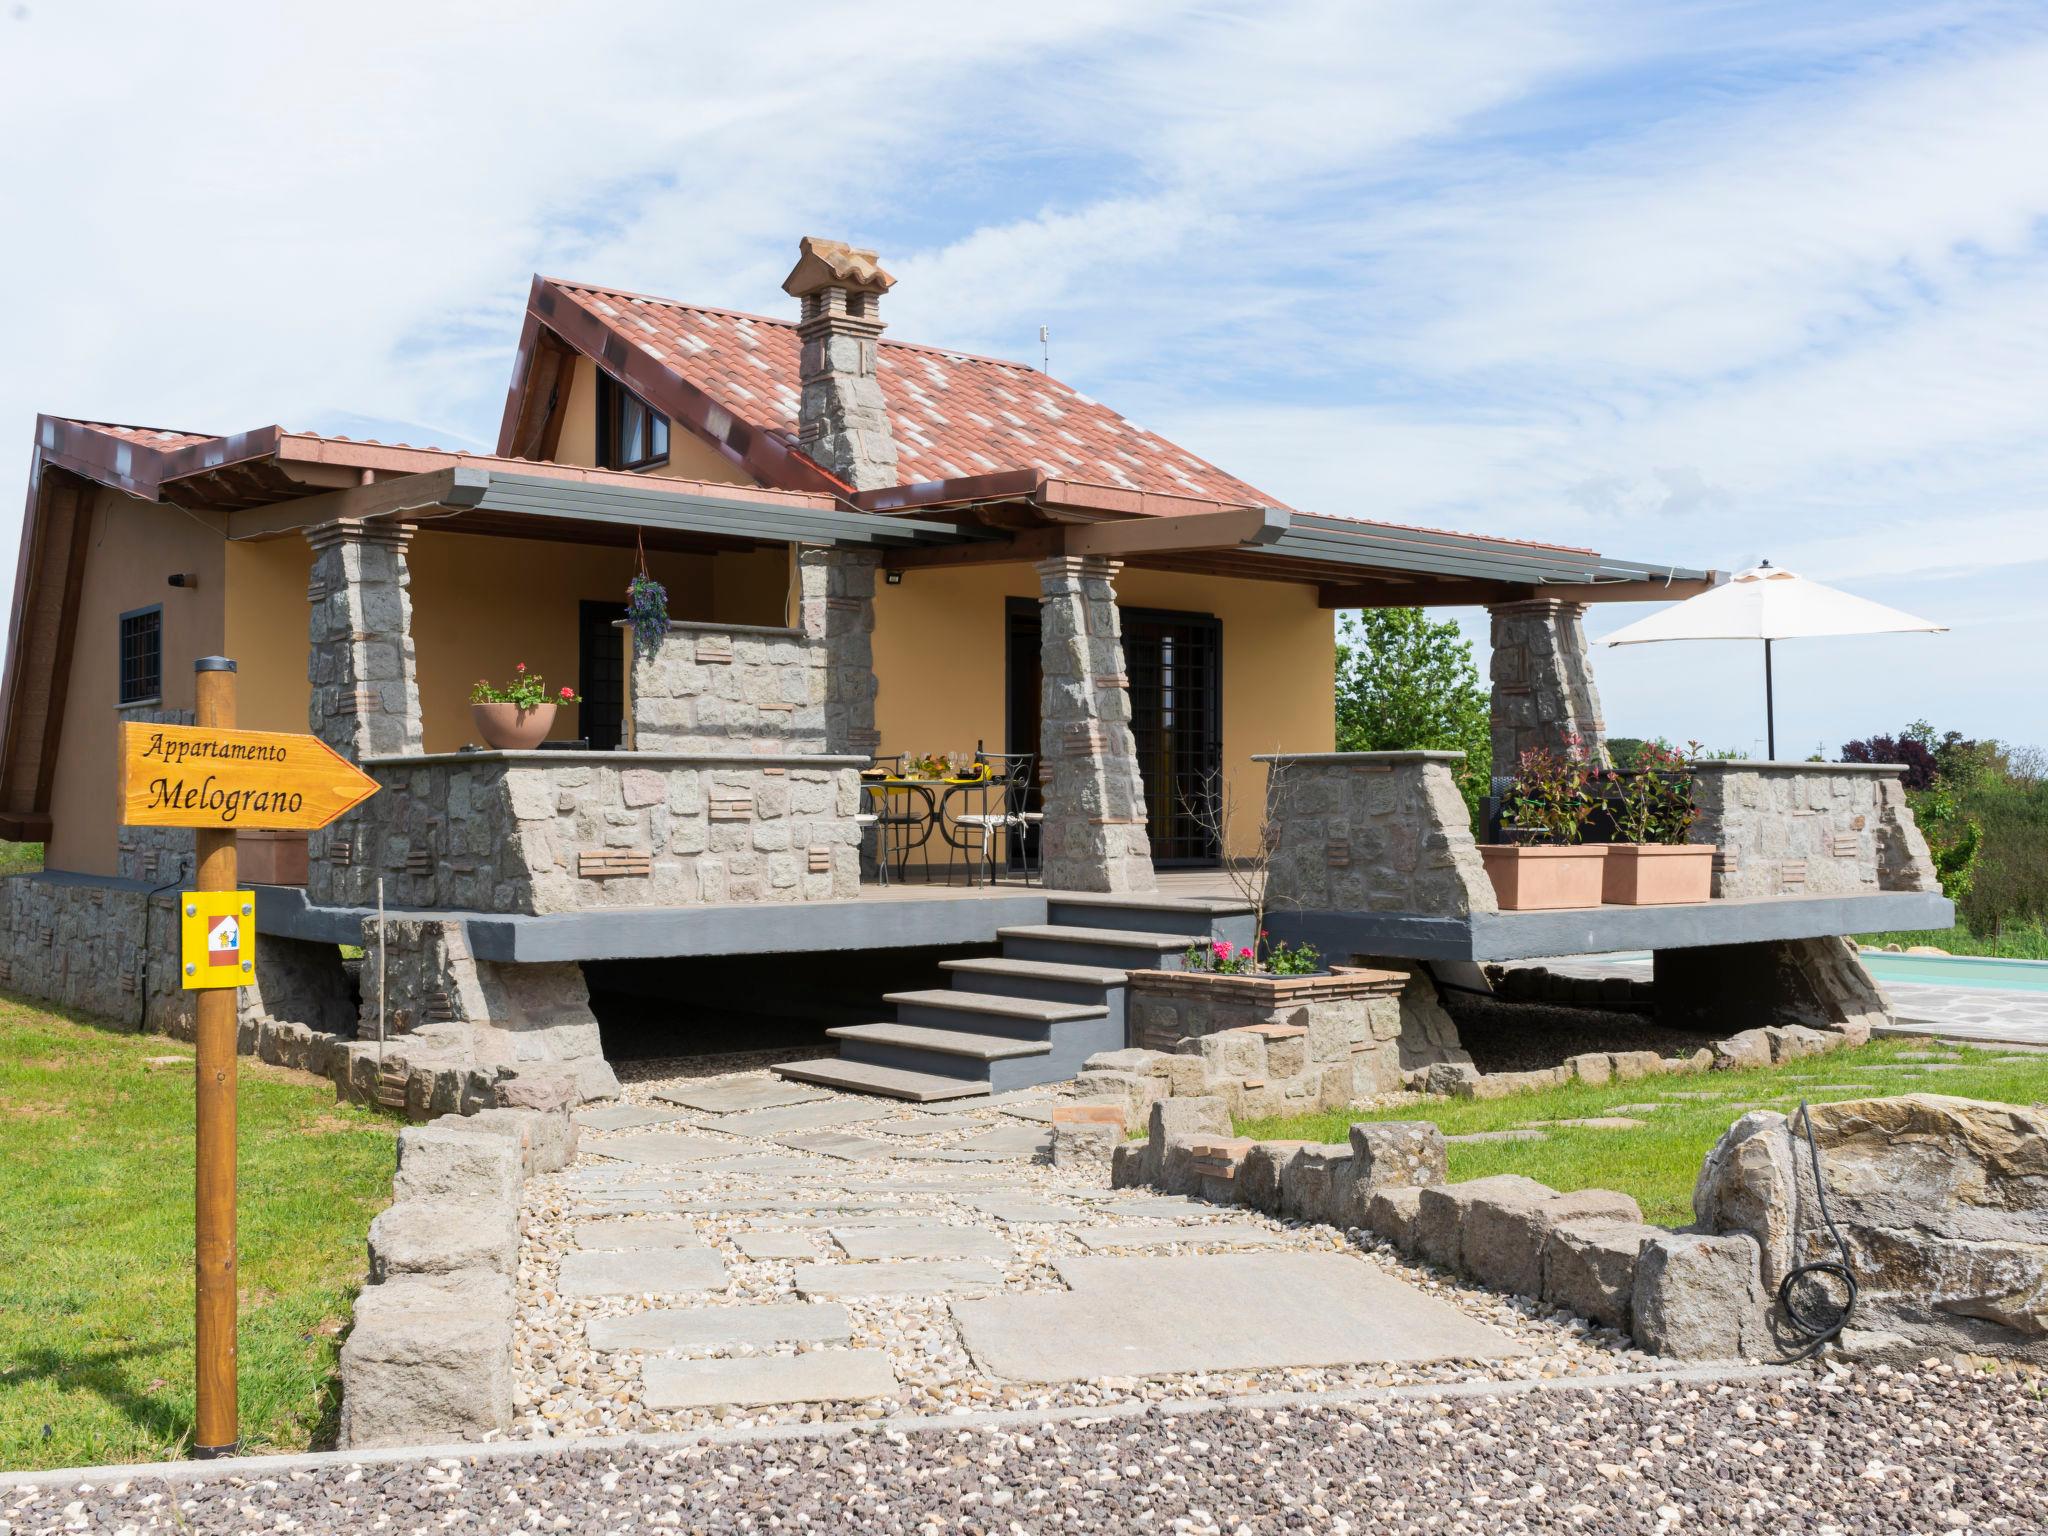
(216, 780)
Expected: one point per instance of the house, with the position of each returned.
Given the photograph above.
(870, 546)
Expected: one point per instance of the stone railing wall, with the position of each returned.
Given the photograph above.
(1372, 832)
(539, 832)
(1809, 829)
(726, 688)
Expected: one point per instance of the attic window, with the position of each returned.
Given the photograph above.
(142, 655)
(631, 434)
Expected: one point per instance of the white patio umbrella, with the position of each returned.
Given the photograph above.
(1768, 604)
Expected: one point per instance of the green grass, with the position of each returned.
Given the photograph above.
(20, 858)
(1659, 1163)
(2023, 941)
(96, 1244)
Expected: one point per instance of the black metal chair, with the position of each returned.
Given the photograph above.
(892, 816)
(1006, 813)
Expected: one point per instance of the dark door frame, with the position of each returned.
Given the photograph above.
(590, 612)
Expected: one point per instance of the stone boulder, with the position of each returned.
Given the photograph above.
(442, 1237)
(1943, 1203)
(429, 1359)
(1698, 1297)
(1388, 1153)
(1441, 1212)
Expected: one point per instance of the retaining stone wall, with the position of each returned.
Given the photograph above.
(1680, 1294)
(1809, 829)
(430, 1356)
(538, 832)
(1372, 832)
(726, 688)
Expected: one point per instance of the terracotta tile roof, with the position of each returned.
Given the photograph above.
(153, 437)
(954, 414)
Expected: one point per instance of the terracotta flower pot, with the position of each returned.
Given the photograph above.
(1543, 879)
(509, 728)
(1658, 874)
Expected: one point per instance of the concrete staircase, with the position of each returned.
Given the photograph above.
(1052, 999)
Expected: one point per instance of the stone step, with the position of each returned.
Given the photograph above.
(888, 1082)
(1195, 917)
(1036, 1011)
(1034, 970)
(940, 1042)
(1068, 944)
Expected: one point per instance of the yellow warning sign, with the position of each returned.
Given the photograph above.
(219, 932)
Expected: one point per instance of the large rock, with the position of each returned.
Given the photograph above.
(1943, 1203)
(1589, 1267)
(1393, 1215)
(546, 1139)
(440, 1237)
(1260, 1178)
(448, 1160)
(1440, 1216)
(1507, 1230)
(429, 1359)
(1179, 1119)
(1128, 1163)
(1387, 1154)
(1315, 1184)
(1700, 1298)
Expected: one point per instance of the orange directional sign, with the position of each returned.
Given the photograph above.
(199, 776)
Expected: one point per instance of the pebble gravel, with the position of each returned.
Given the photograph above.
(1934, 1450)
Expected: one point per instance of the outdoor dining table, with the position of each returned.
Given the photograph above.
(932, 804)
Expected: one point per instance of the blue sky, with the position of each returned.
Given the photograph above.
(1701, 282)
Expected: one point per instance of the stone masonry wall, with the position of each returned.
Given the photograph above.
(1809, 829)
(727, 688)
(545, 832)
(1094, 836)
(1542, 682)
(1372, 832)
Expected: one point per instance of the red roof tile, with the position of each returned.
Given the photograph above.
(154, 437)
(954, 414)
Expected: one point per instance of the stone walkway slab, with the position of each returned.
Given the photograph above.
(1601, 1123)
(920, 1243)
(927, 1125)
(1224, 1312)
(1216, 1233)
(732, 1098)
(820, 1376)
(1024, 1140)
(937, 1278)
(1524, 1133)
(627, 1232)
(646, 1272)
(801, 1117)
(839, 1144)
(1161, 1207)
(775, 1245)
(653, 1149)
(796, 1322)
(1018, 1211)
(623, 1117)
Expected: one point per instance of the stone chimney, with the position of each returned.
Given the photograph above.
(844, 422)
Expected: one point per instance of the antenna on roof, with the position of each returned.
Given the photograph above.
(1045, 349)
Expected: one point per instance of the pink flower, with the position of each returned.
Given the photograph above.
(568, 692)
(520, 668)
(1222, 950)
(1245, 953)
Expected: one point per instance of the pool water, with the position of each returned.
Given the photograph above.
(1959, 971)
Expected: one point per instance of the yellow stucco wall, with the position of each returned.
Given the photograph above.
(266, 630)
(939, 664)
(134, 548)
(689, 456)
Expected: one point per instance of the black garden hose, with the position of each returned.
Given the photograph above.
(1817, 1320)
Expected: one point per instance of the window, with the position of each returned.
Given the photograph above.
(631, 434)
(142, 655)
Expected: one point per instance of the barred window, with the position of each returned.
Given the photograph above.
(142, 655)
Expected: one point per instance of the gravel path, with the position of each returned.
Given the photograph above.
(768, 1210)
(1866, 1452)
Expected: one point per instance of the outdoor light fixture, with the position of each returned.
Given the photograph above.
(184, 579)
(893, 578)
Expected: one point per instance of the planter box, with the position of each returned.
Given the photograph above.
(1544, 879)
(1658, 874)
(270, 858)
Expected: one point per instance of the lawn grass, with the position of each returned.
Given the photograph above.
(20, 858)
(96, 1244)
(2019, 941)
(1659, 1163)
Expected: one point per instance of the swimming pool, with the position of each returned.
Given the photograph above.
(1959, 971)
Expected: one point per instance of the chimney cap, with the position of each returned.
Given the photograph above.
(834, 264)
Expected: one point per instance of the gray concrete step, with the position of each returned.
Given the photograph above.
(1037, 1011)
(1195, 917)
(1069, 944)
(889, 1082)
(942, 1042)
(1032, 970)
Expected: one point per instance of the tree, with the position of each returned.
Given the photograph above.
(1406, 683)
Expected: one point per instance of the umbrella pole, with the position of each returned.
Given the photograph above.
(1770, 710)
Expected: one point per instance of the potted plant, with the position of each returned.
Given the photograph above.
(1650, 863)
(518, 716)
(1546, 808)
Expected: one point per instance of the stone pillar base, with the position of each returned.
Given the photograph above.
(1726, 988)
(1542, 682)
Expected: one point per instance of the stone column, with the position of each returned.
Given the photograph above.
(836, 589)
(366, 698)
(1094, 836)
(1542, 682)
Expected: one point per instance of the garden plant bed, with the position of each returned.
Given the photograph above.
(1659, 1162)
(96, 1253)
